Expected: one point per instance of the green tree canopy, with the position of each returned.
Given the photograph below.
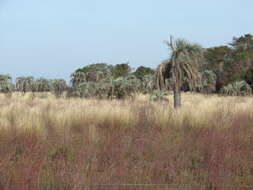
(24, 83)
(248, 77)
(121, 70)
(142, 71)
(5, 83)
(93, 72)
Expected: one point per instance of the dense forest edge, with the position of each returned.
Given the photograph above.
(227, 70)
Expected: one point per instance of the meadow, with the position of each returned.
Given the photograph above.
(49, 143)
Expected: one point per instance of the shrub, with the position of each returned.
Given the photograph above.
(5, 84)
(158, 95)
(240, 88)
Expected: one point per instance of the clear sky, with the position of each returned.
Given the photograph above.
(52, 38)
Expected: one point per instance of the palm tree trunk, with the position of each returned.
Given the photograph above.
(177, 97)
(176, 76)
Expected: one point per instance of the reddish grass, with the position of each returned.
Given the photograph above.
(185, 158)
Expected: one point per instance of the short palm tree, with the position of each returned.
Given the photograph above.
(24, 84)
(77, 78)
(58, 86)
(237, 88)
(184, 63)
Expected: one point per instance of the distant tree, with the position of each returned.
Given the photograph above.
(93, 72)
(208, 80)
(142, 71)
(230, 63)
(184, 60)
(43, 85)
(123, 87)
(242, 56)
(24, 84)
(121, 70)
(248, 77)
(58, 86)
(219, 60)
(77, 78)
(243, 43)
(5, 84)
(147, 84)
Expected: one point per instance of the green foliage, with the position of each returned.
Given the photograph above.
(123, 87)
(208, 81)
(185, 70)
(248, 77)
(240, 88)
(230, 63)
(93, 72)
(158, 95)
(77, 78)
(58, 86)
(218, 60)
(92, 89)
(5, 84)
(185, 59)
(243, 43)
(185, 65)
(25, 84)
(43, 85)
(142, 71)
(121, 70)
(108, 88)
(146, 84)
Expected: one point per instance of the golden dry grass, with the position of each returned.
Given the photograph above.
(58, 143)
(29, 112)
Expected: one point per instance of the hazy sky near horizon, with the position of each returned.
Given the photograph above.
(52, 38)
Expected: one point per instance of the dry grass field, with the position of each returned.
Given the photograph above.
(49, 143)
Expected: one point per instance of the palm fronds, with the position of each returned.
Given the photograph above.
(238, 88)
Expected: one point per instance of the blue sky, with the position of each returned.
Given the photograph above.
(52, 38)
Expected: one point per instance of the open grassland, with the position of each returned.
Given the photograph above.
(61, 144)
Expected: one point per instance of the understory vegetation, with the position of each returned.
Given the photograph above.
(56, 143)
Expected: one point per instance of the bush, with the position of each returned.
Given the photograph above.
(237, 89)
(158, 95)
(248, 77)
(5, 84)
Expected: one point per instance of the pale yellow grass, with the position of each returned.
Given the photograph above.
(26, 111)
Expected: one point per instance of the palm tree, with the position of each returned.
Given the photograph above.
(184, 63)
(58, 86)
(77, 78)
(237, 88)
(24, 84)
(43, 85)
(163, 72)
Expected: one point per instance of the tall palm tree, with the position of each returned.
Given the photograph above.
(184, 60)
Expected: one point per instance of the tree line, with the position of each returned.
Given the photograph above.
(227, 70)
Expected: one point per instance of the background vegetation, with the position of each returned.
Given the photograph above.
(218, 68)
(79, 136)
